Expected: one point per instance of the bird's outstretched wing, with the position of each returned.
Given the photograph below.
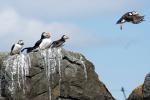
(138, 19)
(30, 49)
(119, 21)
(37, 43)
(125, 18)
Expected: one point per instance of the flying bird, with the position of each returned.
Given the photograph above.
(133, 17)
(16, 48)
(60, 42)
(41, 44)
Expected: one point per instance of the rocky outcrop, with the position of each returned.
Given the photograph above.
(136, 93)
(142, 92)
(54, 74)
(146, 88)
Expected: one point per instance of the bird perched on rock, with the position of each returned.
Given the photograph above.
(16, 48)
(41, 44)
(60, 42)
(132, 17)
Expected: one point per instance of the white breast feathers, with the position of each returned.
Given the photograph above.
(45, 44)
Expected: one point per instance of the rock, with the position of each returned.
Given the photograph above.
(54, 74)
(146, 88)
(136, 93)
(143, 91)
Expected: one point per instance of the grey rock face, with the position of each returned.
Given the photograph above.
(54, 74)
(146, 88)
(142, 92)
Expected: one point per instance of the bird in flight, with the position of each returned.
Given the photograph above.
(133, 17)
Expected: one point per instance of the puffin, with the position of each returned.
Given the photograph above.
(133, 17)
(60, 42)
(41, 44)
(16, 48)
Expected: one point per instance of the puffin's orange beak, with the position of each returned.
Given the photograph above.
(48, 34)
(67, 37)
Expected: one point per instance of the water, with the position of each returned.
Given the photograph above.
(17, 66)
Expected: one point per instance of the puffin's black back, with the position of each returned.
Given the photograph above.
(58, 43)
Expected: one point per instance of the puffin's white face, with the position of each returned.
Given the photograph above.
(46, 34)
(21, 42)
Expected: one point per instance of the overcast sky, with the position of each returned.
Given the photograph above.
(121, 58)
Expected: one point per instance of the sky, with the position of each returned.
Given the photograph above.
(121, 57)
